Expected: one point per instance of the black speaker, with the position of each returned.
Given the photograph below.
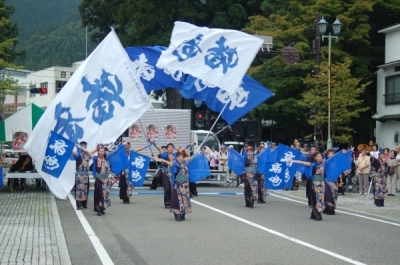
(238, 128)
(251, 129)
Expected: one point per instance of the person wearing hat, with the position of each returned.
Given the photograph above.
(273, 146)
(223, 161)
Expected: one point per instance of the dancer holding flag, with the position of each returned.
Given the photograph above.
(250, 178)
(82, 157)
(101, 170)
(126, 186)
(331, 191)
(169, 156)
(180, 197)
(262, 191)
(318, 185)
(380, 182)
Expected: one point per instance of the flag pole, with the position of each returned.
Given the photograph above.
(212, 127)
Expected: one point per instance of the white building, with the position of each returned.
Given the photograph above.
(388, 92)
(13, 103)
(53, 78)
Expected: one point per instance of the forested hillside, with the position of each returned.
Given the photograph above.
(50, 32)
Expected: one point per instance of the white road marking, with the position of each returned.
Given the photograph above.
(333, 254)
(101, 251)
(353, 214)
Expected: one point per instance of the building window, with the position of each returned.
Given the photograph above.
(63, 74)
(60, 85)
(392, 90)
(45, 84)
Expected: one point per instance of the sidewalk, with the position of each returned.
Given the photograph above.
(353, 201)
(31, 231)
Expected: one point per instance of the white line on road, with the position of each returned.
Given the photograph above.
(101, 251)
(339, 211)
(333, 254)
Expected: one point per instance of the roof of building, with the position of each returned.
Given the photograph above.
(390, 29)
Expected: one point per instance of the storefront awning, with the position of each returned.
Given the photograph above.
(394, 117)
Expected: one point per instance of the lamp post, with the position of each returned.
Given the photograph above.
(322, 24)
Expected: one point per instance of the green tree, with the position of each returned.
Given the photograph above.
(346, 102)
(293, 21)
(8, 41)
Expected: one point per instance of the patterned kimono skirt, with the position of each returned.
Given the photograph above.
(101, 194)
(250, 185)
(331, 195)
(166, 180)
(380, 189)
(81, 188)
(318, 195)
(126, 186)
(180, 197)
(262, 191)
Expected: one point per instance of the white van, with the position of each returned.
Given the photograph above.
(236, 145)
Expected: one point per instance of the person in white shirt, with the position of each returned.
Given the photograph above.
(375, 151)
(223, 161)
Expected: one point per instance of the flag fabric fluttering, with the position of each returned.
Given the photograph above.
(198, 168)
(144, 60)
(248, 95)
(58, 151)
(118, 159)
(235, 162)
(219, 57)
(263, 157)
(336, 165)
(97, 104)
(275, 175)
(138, 166)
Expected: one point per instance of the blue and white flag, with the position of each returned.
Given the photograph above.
(248, 95)
(275, 175)
(57, 153)
(235, 162)
(118, 159)
(284, 155)
(336, 165)
(219, 57)
(144, 60)
(198, 168)
(138, 166)
(98, 103)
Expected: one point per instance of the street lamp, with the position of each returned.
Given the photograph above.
(322, 24)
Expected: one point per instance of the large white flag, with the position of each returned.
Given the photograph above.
(102, 98)
(219, 57)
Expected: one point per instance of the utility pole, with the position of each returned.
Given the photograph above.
(317, 65)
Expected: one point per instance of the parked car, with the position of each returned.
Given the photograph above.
(8, 151)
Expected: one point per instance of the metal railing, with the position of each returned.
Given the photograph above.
(392, 98)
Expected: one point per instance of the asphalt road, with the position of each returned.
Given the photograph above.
(221, 230)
